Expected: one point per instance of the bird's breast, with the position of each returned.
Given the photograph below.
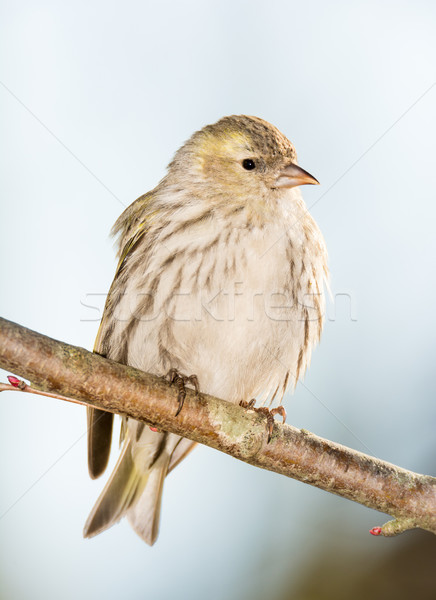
(241, 307)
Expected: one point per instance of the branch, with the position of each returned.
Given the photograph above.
(74, 373)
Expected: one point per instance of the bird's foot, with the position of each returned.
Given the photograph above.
(270, 414)
(180, 381)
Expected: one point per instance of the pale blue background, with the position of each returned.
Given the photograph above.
(120, 86)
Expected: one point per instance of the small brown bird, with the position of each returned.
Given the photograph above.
(221, 274)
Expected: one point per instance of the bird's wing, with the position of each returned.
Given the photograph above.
(131, 227)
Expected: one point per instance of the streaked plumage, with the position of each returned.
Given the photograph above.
(221, 273)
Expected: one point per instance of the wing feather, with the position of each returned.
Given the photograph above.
(130, 227)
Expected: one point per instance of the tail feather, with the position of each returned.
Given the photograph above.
(135, 486)
(144, 514)
(123, 486)
(180, 452)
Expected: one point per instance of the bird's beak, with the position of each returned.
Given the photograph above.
(293, 175)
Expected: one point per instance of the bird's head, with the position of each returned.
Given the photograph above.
(240, 159)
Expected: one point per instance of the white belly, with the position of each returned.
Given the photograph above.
(233, 313)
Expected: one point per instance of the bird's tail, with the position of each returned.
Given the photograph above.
(131, 491)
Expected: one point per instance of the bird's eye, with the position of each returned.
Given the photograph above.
(248, 164)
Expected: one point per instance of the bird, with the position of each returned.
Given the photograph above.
(220, 284)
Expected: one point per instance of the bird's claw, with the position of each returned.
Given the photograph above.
(269, 414)
(181, 380)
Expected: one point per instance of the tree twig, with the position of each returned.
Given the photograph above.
(73, 372)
